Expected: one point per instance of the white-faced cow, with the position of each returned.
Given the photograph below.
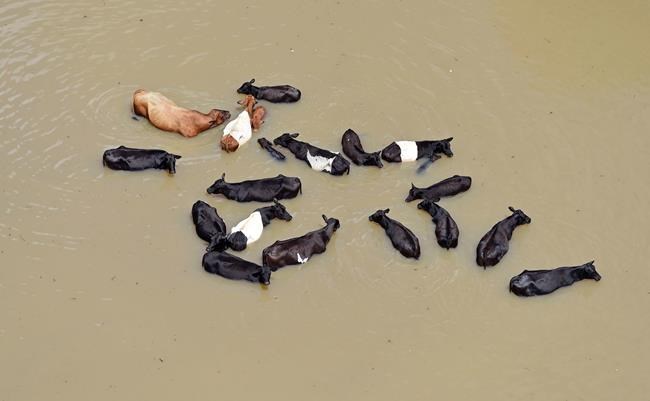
(494, 244)
(131, 159)
(273, 94)
(318, 159)
(409, 151)
(542, 282)
(401, 237)
(353, 149)
(209, 226)
(300, 249)
(234, 268)
(446, 228)
(250, 229)
(262, 190)
(447, 187)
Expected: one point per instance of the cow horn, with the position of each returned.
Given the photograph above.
(223, 176)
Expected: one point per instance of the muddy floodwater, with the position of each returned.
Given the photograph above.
(102, 292)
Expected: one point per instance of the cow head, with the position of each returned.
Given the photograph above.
(247, 88)
(413, 193)
(284, 139)
(374, 159)
(445, 147)
(590, 271)
(378, 215)
(280, 212)
(340, 165)
(217, 117)
(263, 275)
(218, 185)
(335, 223)
(520, 216)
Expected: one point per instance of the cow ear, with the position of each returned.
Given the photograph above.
(386, 211)
(294, 135)
(252, 81)
(223, 176)
(449, 139)
(412, 186)
(325, 218)
(512, 209)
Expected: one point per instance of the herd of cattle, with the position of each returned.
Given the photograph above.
(166, 115)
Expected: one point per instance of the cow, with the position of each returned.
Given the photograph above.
(250, 229)
(266, 144)
(409, 151)
(541, 282)
(318, 159)
(261, 190)
(494, 244)
(401, 237)
(273, 94)
(167, 116)
(447, 187)
(234, 268)
(255, 111)
(446, 228)
(131, 159)
(353, 149)
(237, 132)
(300, 249)
(209, 226)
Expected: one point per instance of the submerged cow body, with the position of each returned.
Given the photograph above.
(167, 116)
(268, 146)
(255, 111)
(250, 229)
(446, 228)
(401, 237)
(273, 94)
(409, 151)
(234, 268)
(131, 159)
(262, 190)
(541, 282)
(209, 226)
(494, 244)
(353, 149)
(447, 187)
(318, 159)
(299, 250)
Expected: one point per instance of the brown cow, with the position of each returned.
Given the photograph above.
(166, 115)
(255, 112)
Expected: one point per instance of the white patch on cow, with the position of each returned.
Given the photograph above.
(301, 260)
(408, 150)
(239, 128)
(320, 163)
(251, 227)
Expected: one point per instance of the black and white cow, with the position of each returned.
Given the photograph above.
(446, 228)
(234, 268)
(494, 244)
(353, 149)
(318, 159)
(541, 282)
(132, 159)
(299, 250)
(209, 226)
(447, 187)
(250, 229)
(262, 190)
(268, 146)
(401, 237)
(273, 94)
(409, 151)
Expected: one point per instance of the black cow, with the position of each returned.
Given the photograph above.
(299, 250)
(131, 159)
(250, 229)
(274, 94)
(494, 244)
(234, 268)
(209, 226)
(446, 228)
(266, 144)
(447, 187)
(542, 282)
(317, 158)
(262, 190)
(409, 151)
(354, 151)
(401, 237)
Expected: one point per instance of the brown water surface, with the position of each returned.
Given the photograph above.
(102, 291)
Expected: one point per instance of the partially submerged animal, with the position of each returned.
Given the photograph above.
(209, 226)
(446, 228)
(250, 229)
(541, 282)
(409, 151)
(261, 190)
(166, 115)
(268, 146)
(318, 159)
(255, 111)
(234, 268)
(131, 159)
(237, 132)
(273, 94)
(494, 244)
(401, 237)
(447, 187)
(353, 149)
(299, 250)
